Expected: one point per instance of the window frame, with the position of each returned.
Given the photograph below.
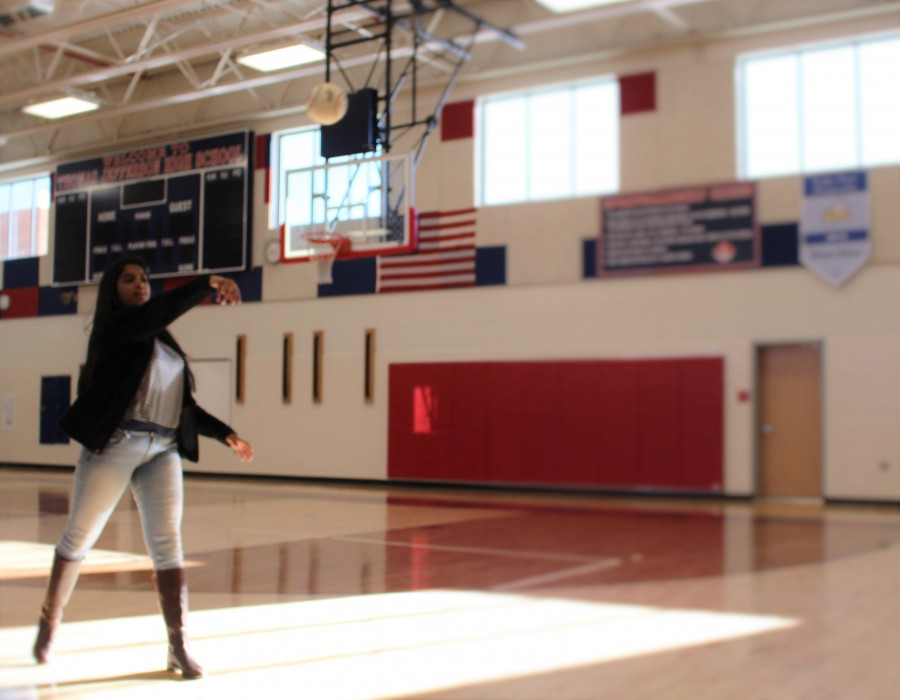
(801, 156)
(38, 235)
(529, 95)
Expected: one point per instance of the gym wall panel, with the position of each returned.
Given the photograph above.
(425, 421)
(432, 422)
(659, 455)
(402, 451)
(582, 385)
(524, 409)
(471, 421)
(702, 444)
(606, 423)
(438, 419)
(617, 427)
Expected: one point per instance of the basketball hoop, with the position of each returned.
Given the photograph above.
(325, 249)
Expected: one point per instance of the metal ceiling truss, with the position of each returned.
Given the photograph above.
(417, 20)
(163, 55)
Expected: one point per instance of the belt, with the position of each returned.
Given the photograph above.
(142, 427)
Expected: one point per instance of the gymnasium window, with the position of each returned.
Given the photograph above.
(819, 108)
(24, 217)
(298, 149)
(548, 143)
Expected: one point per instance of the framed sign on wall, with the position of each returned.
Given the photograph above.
(690, 229)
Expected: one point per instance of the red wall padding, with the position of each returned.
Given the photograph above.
(616, 423)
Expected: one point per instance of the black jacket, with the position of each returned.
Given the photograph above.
(126, 346)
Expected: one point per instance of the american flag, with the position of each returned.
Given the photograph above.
(445, 257)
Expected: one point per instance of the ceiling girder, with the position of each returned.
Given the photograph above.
(158, 49)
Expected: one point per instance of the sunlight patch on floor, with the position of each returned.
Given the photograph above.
(28, 559)
(374, 646)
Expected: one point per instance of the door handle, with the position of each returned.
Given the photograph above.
(766, 429)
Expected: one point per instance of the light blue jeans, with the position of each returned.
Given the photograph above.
(150, 463)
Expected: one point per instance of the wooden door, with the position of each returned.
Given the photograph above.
(790, 421)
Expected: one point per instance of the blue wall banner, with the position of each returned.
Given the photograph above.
(834, 229)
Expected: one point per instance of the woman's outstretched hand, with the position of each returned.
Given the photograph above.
(241, 447)
(227, 291)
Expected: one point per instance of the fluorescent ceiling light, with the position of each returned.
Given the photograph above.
(61, 107)
(284, 57)
(42, 7)
(570, 5)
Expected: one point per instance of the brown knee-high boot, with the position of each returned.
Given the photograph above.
(63, 576)
(173, 600)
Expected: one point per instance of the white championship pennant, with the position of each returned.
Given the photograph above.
(834, 231)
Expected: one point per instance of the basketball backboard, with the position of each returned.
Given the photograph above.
(365, 200)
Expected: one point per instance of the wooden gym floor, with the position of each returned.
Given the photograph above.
(304, 590)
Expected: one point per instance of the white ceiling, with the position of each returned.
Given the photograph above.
(166, 68)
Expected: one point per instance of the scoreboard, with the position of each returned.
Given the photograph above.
(184, 208)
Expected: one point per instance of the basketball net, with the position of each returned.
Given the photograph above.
(325, 248)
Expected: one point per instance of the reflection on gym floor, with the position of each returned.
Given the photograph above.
(312, 590)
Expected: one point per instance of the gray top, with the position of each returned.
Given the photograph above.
(158, 399)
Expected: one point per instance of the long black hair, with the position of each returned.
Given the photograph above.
(108, 300)
(108, 303)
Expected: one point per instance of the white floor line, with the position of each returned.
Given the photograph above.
(512, 553)
(553, 576)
